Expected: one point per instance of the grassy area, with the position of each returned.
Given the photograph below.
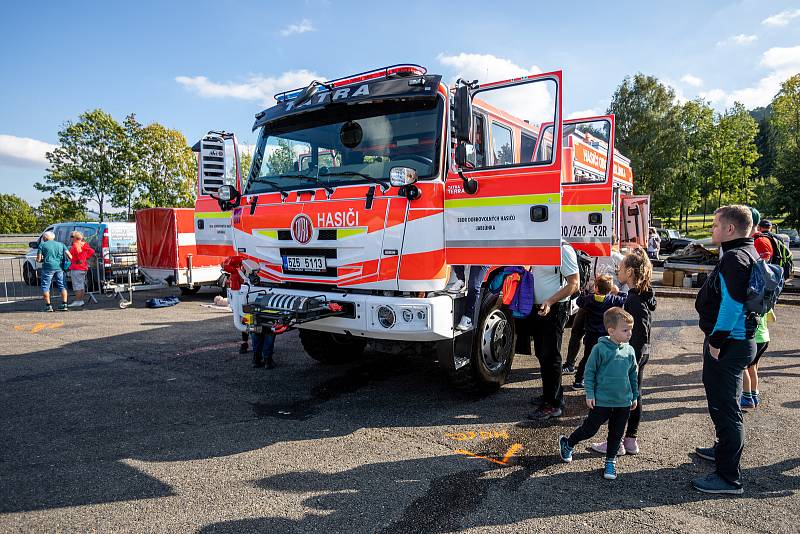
(697, 230)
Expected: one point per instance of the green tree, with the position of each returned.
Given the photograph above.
(786, 122)
(696, 120)
(648, 126)
(164, 167)
(16, 215)
(87, 161)
(59, 207)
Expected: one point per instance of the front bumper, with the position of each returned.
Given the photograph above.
(372, 317)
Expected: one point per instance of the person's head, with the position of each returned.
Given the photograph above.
(756, 216)
(603, 284)
(652, 231)
(764, 226)
(76, 236)
(619, 324)
(731, 222)
(636, 271)
(48, 236)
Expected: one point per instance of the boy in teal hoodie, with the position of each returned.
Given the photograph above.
(611, 389)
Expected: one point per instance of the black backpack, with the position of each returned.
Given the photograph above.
(781, 256)
(584, 269)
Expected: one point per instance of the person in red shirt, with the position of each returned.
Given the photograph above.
(761, 242)
(81, 253)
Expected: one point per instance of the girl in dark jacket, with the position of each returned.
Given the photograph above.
(636, 271)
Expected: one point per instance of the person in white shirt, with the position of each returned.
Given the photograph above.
(552, 287)
(653, 244)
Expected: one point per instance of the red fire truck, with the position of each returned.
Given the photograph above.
(365, 190)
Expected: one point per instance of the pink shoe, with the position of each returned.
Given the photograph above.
(631, 445)
(602, 448)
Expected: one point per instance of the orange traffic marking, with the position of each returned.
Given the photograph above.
(38, 327)
(504, 462)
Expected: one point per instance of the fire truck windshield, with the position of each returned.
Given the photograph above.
(346, 144)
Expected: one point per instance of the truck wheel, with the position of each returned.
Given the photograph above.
(191, 290)
(330, 348)
(492, 349)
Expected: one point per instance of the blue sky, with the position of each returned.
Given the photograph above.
(195, 66)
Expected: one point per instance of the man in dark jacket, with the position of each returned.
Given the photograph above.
(729, 345)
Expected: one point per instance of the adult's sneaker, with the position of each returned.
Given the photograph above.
(76, 304)
(63, 307)
(545, 412)
(706, 453)
(47, 308)
(602, 448)
(564, 449)
(578, 384)
(714, 483)
(568, 369)
(464, 324)
(610, 470)
(456, 287)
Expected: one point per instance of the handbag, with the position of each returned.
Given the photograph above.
(65, 263)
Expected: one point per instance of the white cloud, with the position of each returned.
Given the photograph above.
(781, 19)
(258, 88)
(23, 151)
(304, 26)
(692, 80)
(533, 102)
(591, 112)
(782, 63)
(738, 40)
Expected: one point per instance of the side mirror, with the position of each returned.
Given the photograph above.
(462, 114)
(470, 184)
(228, 197)
(33, 244)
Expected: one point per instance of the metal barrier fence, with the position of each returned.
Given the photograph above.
(116, 276)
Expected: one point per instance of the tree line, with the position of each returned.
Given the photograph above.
(691, 159)
(687, 156)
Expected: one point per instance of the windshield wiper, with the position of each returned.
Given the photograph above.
(314, 179)
(278, 188)
(384, 182)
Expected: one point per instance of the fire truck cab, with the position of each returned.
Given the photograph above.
(365, 190)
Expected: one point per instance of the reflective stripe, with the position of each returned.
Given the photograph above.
(268, 233)
(341, 233)
(512, 243)
(566, 208)
(212, 215)
(587, 239)
(553, 198)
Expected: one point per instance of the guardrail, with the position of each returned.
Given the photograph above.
(18, 238)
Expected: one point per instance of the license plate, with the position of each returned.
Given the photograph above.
(305, 263)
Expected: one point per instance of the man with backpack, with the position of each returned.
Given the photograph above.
(729, 345)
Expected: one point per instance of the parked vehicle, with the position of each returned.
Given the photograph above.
(114, 241)
(364, 191)
(671, 240)
(794, 236)
(167, 251)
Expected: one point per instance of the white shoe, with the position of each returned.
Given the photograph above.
(455, 287)
(465, 324)
(602, 448)
(75, 304)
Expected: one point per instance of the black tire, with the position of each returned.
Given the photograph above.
(492, 349)
(192, 290)
(29, 274)
(331, 349)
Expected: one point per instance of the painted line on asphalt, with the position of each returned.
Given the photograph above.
(515, 448)
(36, 327)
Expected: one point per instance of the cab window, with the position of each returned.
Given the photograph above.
(526, 148)
(502, 146)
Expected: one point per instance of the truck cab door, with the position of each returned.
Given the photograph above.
(587, 215)
(218, 165)
(635, 223)
(514, 217)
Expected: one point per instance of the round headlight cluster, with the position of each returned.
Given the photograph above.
(408, 316)
(386, 316)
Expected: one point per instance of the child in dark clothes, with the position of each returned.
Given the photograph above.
(605, 296)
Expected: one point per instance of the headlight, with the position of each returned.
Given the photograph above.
(386, 316)
(408, 316)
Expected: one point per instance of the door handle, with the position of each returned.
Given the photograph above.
(539, 213)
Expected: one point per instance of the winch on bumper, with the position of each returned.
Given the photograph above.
(367, 316)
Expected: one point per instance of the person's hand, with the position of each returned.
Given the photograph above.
(714, 352)
(590, 403)
(544, 308)
(633, 404)
(614, 289)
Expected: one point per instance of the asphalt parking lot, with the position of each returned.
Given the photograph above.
(144, 420)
